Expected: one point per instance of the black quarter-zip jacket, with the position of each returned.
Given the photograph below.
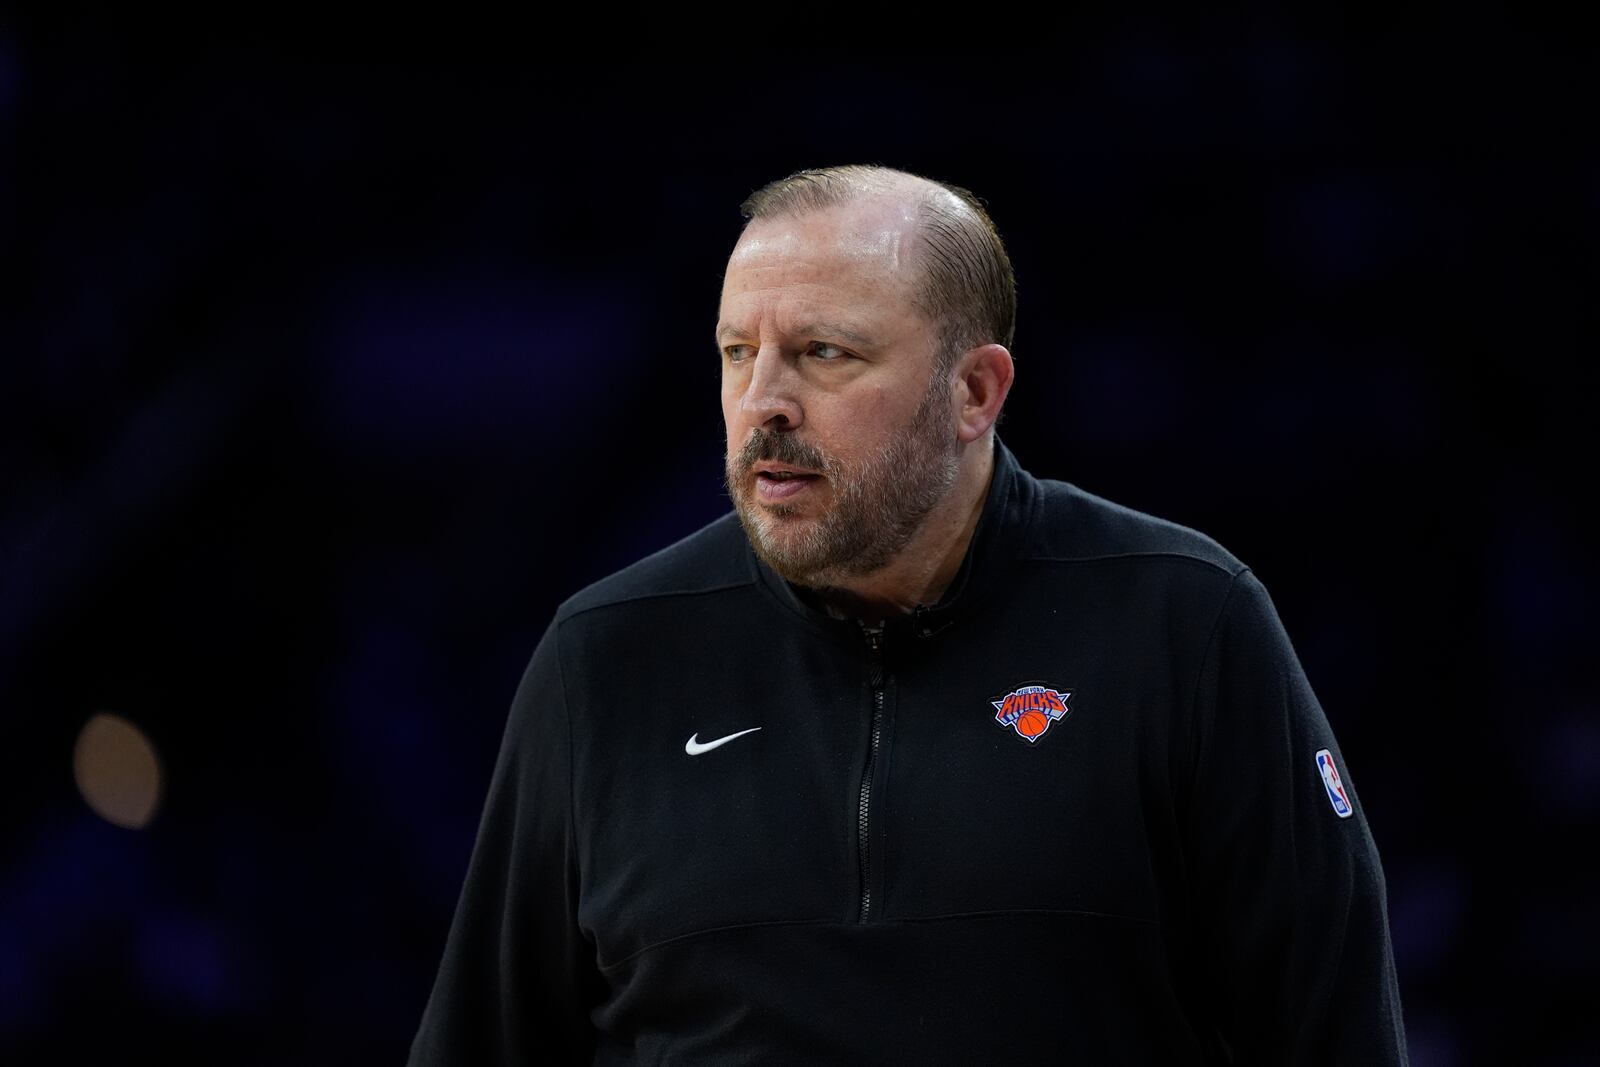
(1152, 853)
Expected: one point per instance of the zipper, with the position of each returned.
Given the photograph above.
(863, 813)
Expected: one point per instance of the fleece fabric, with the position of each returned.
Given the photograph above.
(1086, 809)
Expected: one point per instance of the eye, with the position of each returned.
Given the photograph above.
(736, 353)
(826, 352)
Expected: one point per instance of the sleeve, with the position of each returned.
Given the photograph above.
(518, 974)
(1289, 906)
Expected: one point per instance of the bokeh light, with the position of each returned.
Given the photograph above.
(117, 771)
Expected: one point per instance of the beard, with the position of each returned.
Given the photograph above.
(879, 502)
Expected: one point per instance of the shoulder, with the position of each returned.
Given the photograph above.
(1073, 525)
(712, 559)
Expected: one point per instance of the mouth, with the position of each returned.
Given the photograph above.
(783, 472)
(779, 482)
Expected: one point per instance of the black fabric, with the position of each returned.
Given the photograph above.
(1161, 877)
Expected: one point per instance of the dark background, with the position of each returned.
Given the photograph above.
(332, 360)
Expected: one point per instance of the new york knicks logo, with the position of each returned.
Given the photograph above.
(1030, 709)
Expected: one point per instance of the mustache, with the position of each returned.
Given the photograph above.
(779, 448)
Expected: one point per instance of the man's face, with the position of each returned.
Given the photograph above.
(841, 438)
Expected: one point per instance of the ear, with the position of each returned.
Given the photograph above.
(982, 380)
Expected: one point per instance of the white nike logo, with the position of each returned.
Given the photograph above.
(694, 747)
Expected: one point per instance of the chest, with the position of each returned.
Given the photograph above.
(807, 779)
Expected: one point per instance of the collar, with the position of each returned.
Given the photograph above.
(995, 541)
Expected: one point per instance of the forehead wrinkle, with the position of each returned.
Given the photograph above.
(864, 273)
(801, 326)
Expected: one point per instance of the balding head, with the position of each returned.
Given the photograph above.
(966, 285)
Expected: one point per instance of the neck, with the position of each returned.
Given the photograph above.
(921, 573)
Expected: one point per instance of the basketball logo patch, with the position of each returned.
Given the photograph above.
(1031, 709)
(1330, 781)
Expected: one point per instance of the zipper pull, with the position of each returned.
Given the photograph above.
(874, 636)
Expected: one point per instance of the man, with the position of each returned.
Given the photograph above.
(914, 758)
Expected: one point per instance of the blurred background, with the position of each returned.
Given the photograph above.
(333, 358)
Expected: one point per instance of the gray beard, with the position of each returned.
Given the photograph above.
(878, 506)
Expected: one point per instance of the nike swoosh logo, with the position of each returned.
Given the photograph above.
(694, 747)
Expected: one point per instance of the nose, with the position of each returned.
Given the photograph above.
(771, 396)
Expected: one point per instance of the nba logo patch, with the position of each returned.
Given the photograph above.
(1335, 788)
(1031, 709)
